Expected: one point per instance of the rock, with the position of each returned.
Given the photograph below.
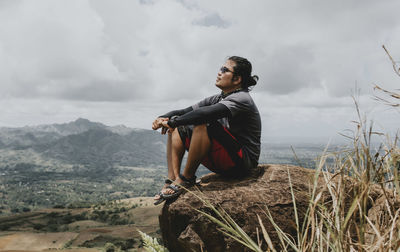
(184, 229)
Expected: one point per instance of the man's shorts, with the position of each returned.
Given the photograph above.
(226, 154)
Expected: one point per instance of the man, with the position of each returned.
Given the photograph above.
(222, 132)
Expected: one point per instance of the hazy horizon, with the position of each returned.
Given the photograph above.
(337, 139)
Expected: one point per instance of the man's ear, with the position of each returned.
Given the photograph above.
(237, 79)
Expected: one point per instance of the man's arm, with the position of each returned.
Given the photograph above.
(162, 120)
(178, 112)
(158, 122)
(200, 115)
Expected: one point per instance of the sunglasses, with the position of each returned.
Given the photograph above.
(225, 69)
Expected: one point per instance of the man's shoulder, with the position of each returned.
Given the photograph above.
(242, 97)
(214, 98)
(208, 101)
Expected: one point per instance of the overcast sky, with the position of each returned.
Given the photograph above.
(127, 61)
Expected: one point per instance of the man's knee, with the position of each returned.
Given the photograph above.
(176, 138)
(201, 131)
(200, 128)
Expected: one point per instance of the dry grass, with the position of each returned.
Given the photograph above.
(391, 97)
(35, 241)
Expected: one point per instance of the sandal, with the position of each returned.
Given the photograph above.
(161, 199)
(178, 189)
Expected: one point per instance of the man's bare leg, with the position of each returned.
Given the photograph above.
(171, 175)
(200, 145)
(175, 152)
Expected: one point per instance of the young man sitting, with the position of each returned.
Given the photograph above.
(222, 132)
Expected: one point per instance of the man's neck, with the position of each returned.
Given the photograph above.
(226, 93)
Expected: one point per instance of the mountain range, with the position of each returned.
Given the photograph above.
(82, 162)
(88, 143)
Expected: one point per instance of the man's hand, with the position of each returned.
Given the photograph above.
(166, 128)
(158, 123)
(161, 122)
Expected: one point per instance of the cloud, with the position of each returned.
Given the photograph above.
(288, 69)
(132, 50)
(212, 19)
(309, 55)
(59, 56)
(43, 46)
(146, 2)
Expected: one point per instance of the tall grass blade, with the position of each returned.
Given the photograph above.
(265, 234)
(295, 209)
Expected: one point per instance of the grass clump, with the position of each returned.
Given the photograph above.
(151, 244)
(110, 247)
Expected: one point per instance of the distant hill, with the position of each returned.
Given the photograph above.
(88, 143)
(21, 137)
(31, 135)
(103, 147)
(79, 161)
(78, 126)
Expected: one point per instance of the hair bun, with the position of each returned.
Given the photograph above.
(254, 80)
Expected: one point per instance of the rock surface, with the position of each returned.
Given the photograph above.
(184, 229)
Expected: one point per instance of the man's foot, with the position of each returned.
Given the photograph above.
(158, 198)
(174, 190)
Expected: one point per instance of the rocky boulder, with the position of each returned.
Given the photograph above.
(184, 229)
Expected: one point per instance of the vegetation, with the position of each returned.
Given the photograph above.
(77, 163)
(109, 247)
(151, 244)
(110, 226)
(30, 184)
(26, 187)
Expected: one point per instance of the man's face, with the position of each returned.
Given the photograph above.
(225, 80)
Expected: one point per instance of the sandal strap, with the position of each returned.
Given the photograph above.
(177, 191)
(168, 181)
(175, 188)
(190, 181)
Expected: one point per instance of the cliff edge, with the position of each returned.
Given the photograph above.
(184, 229)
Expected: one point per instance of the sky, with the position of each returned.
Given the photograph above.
(127, 61)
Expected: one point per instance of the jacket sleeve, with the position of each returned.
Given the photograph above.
(177, 112)
(200, 115)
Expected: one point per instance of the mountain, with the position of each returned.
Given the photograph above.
(121, 129)
(41, 134)
(88, 143)
(102, 147)
(78, 126)
(32, 135)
